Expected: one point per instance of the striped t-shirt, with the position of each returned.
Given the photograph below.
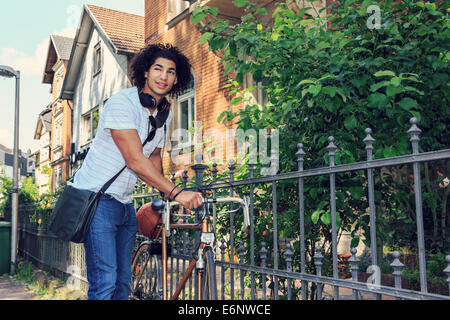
(104, 159)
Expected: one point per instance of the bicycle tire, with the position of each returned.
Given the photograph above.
(209, 283)
(146, 269)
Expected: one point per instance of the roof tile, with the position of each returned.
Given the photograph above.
(125, 30)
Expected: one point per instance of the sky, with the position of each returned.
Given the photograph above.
(25, 28)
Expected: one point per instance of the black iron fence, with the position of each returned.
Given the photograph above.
(249, 268)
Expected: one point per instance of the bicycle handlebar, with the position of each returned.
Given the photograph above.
(244, 202)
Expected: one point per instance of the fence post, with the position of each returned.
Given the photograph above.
(331, 153)
(263, 255)
(318, 257)
(301, 208)
(414, 133)
(354, 261)
(273, 166)
(198, 167)
(189, 252)
(288, 254)
(397, 266)
(251, 166)
(368, 141)
(222, 248)
(231, 167)
(241, 251)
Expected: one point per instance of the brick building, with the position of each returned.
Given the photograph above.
(168, 21)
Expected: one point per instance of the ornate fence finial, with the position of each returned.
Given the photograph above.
(368, 141)
(241, 251)
(331, 150)
(222, 248)
(318, 257)
(354, 262)
(231, 167)
(300, 154)
(288, 254)
(263, 254)
(414, 133)
(198, 158)
(397, 266)
(214, 171)
(185, 177)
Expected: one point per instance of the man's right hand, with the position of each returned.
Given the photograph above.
(190, 199)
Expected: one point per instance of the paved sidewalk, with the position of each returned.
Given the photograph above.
(14, 290)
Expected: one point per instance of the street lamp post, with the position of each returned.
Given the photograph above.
(9, 72)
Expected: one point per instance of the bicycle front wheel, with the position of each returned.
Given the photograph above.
(146, 269)
(208, 282)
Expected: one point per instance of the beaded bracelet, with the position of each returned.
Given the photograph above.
(170, 193)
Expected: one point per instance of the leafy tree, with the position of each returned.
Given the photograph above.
(333, 73)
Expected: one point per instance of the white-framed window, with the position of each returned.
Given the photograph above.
(59, 81)
(57, 178)
(184, 109)
(97, 58)
(175, 7)
(89, 122)
(58, 131)
(259, 95)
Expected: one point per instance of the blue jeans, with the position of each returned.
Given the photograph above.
(108, 249)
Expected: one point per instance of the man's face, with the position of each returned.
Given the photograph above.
(161, 77)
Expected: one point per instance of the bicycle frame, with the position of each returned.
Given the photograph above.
(204, 226)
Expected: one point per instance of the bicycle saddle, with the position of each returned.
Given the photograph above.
(158, 204)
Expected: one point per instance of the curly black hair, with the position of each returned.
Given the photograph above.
(146, 57)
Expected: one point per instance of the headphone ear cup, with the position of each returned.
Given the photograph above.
(147, 100)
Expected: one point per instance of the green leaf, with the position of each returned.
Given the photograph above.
(206, 37)
(315, 89)
(304, 81)
(408, 103)
(326, 218)
(354, 243)
(395, 81)
(377, 100)
(236, 101)
(350, 122)
(241, 3)
(261, 11)
(315, 216)
(378, 85)
(197, 16)
(392, 91)
(356, 192)
(384, 73)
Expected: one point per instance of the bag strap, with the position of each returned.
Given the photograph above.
(161, 118)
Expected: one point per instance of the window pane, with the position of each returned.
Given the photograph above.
(192, 109)
(95, 115)
(87, 127)
(184, 114)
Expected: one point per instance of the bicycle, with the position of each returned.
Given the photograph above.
(149, 264)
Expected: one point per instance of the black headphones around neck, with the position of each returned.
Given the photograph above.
(148, 101)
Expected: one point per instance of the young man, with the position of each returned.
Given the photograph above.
(127, 120)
